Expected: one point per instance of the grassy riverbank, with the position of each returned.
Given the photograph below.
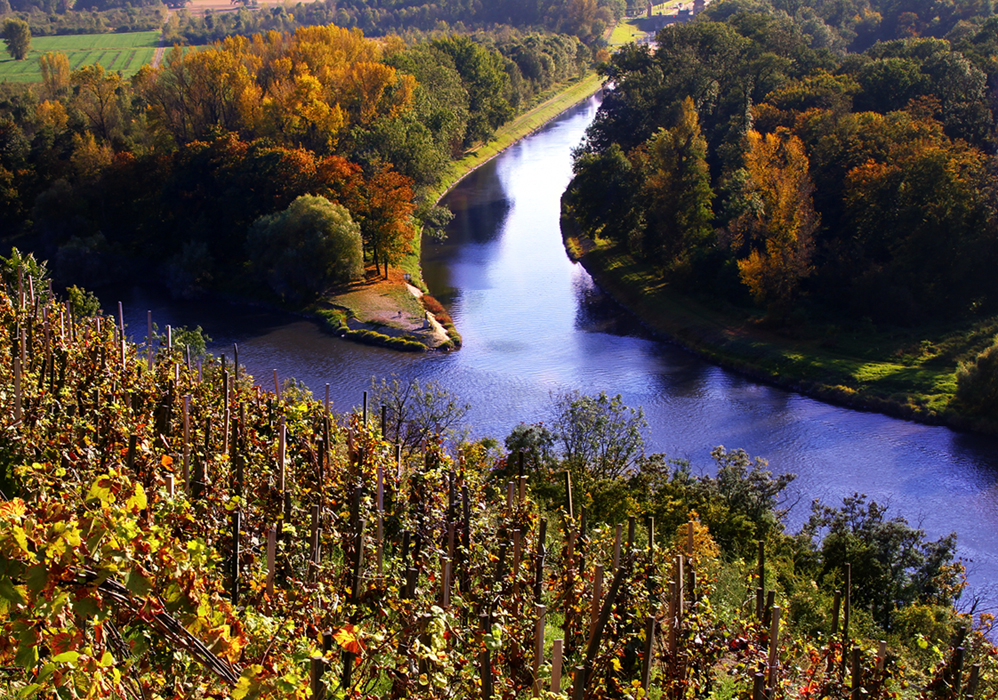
(909, 373)
(557, 101)
(369, 304)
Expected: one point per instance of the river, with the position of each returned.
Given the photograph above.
(534, 324)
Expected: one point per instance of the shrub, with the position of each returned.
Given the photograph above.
(309, 247)
(977, 381)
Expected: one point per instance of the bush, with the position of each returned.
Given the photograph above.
(306, 249)
(977, 382)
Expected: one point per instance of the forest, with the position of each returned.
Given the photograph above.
(170, 171)
(586, 20)
(774, 159)
(170, 529)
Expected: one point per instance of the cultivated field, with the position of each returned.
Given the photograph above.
(126, 52)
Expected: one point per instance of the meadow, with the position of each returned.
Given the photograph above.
(125, 52)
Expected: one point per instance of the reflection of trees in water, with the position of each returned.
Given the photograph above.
(480, 207)
(596, 312)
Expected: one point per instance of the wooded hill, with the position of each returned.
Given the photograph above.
(755, 162)
(168, 171)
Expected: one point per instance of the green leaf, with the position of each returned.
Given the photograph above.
(27, 649)
(66, 657)
(137, 583)
(8, 591)
(86, 607)
(37, 577)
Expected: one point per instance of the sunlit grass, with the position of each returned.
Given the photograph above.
(910, 371)
(125, 52)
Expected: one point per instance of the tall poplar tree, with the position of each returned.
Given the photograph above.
(780, 222)
(676, 188)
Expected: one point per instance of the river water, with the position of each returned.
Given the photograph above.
(534, 324)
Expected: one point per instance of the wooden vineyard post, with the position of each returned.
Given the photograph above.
(319, 666)
(277, 387)
(618, 531)
(630, 535)
(358, 566)
(271, 558)
(557, 660)
(597, 597)
(881, 655)
(509, 495)
(972, 681)
(846, 604)
(649, 651)
(445, 582)
(150, 349)
(604, 616)
(517, 552)
(384, 421)
(121, 321)
(485, 658)
(236, 527)
(774, 644)
(187, 442)
(364, 415)
(313, 543)
(760, 590)
(540, 555)
(466, 539)
(235, 363)
(17, 389)
(579, 683)
(171, 489)
(539, 611)
(568, 493)
(857, 674)
(282, 436)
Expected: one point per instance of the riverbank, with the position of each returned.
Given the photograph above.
(909, 373)
(396, 312)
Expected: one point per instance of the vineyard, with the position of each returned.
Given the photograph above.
(172, 530)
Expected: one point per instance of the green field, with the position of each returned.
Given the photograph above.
(126, 52)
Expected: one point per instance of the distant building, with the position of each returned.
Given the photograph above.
(698, 6)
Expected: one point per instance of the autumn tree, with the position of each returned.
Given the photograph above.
(307, 248)
(55, 73)
(17, 36)
(677, 194)
(778, 221)
(96, 94)
(386, 217)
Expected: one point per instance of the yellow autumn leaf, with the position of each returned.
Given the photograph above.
(10, 510)
(347, 638)
(138, 501)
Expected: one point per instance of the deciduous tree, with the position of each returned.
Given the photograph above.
(17, 36)
(779, 223)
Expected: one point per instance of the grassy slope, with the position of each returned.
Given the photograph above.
(908, 373)
(126, 52)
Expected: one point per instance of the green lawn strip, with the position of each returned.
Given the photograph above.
(510, 133)
(893, 373)
(127, 52)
